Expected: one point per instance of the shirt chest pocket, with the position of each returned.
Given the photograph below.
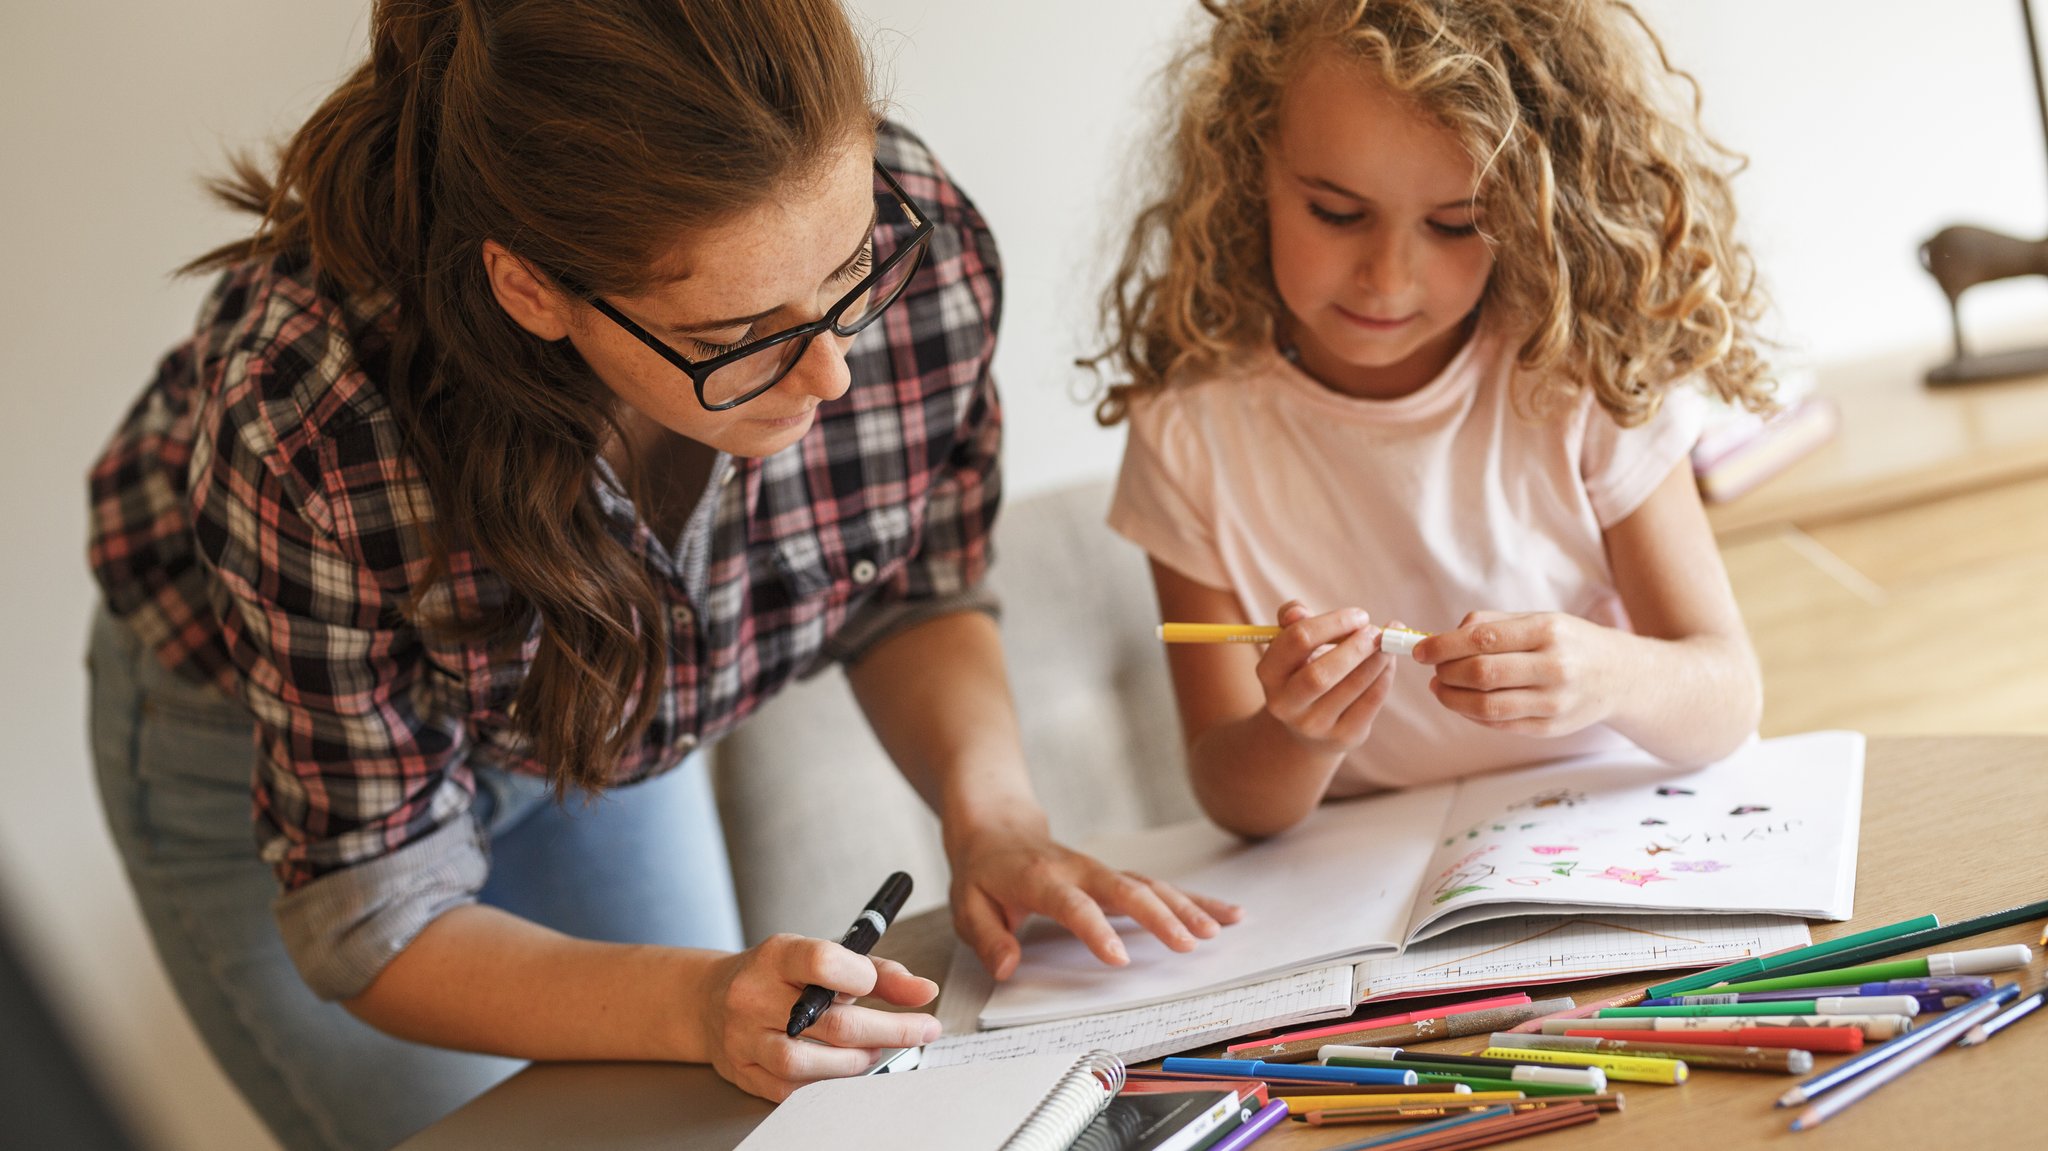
(838, 564)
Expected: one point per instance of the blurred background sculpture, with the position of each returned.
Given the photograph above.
(1961, 256)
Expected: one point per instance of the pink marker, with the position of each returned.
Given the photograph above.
(1515, 1000)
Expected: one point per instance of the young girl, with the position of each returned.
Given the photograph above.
(1416, 335)
(598, 367)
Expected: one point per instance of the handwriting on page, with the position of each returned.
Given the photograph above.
(1148, 1032)
(1552, 948)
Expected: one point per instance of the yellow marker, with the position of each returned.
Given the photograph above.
(1300, 1103)
(1633, 1068)
(1393, 640)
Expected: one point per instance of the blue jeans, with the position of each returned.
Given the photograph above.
(644, 864)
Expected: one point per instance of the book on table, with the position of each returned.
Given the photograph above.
(1771, 830)
(1057, 1101)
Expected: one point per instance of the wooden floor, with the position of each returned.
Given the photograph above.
(1921, 619)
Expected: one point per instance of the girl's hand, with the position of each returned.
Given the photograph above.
(1543, 673)
(1002, 875)
(746, 1016)
(1327, 701)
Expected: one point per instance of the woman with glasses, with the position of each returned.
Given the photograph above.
(597, 367)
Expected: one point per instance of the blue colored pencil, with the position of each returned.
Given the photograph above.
(1942, 1032)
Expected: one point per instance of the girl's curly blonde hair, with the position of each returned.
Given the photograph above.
(1608, 209)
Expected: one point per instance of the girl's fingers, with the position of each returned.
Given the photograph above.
(1326, 712)
(1120, 894)
(1356, 723)
(1066, 904)
(1297, 645)
(1493, 707)
(1221, 910)
(1493, 672)
(980, 925)
(1192, 915)
(1311, 685)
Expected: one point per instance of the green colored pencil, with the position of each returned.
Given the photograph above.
(1899, 945)
(1745, 968)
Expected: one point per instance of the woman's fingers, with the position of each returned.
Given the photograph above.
(854, 1026)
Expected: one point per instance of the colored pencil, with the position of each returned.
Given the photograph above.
(1829, 1005)
(1980, 961)
(1480, 1131)
(1872, 1026)
(1625, 1068)
(1931, 1043)
(1396, 1056)
(2004, 1019)
(1583, 1011)
(1436, 1096)
(1529, 1079)
(1828, 1040)
(1952, 1026)
(1899, 945)
(1355, 1025)
(1604, 1102)
(1744, 968)
(1401, 1035)
(1268, 1117)
(1710, 1056)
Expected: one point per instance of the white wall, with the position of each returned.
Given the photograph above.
(1868, 124)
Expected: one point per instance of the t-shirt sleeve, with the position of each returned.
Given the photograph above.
(1160, 503)
(1622, 466)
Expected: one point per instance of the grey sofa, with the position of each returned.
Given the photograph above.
(815, 814)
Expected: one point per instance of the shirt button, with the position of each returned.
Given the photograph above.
(681, 615)
(729, 475)
(863, 571)
(686, 744)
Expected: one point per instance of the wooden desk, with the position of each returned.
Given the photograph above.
(1900, 442)
(1956, 826)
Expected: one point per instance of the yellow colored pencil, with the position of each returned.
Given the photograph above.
(1632, 1068)
(1393, 640)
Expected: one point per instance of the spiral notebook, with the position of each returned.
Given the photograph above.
(1039, 1103)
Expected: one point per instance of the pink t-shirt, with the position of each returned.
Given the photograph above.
(1266, 484)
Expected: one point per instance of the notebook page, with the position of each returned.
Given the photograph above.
(1554, 949)
(973, 1107)
(1339, 885)
(1772, 829)
(1162, 1029)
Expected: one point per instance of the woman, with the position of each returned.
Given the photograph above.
(528, 446)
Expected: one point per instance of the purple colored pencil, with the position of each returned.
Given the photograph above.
(1267, 1118)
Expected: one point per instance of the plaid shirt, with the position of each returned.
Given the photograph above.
(256, 520)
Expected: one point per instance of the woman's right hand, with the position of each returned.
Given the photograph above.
(1327, 701)
(746, 1014)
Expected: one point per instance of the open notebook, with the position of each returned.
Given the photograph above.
(1772, 829)
(1038, 1103)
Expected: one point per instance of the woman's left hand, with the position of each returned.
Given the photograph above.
(1002, 875)
(1541, 673)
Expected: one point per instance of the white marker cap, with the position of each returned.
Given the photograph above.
(1867, 1005)
(1400, 640)
(1592, 1077)
(1982, 961)
(1331, 1051)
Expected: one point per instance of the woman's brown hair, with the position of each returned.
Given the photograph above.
(1608, 208)
(586, 136)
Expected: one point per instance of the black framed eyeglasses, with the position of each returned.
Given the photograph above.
(731, 378)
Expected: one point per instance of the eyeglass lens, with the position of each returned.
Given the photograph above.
(750, 375)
